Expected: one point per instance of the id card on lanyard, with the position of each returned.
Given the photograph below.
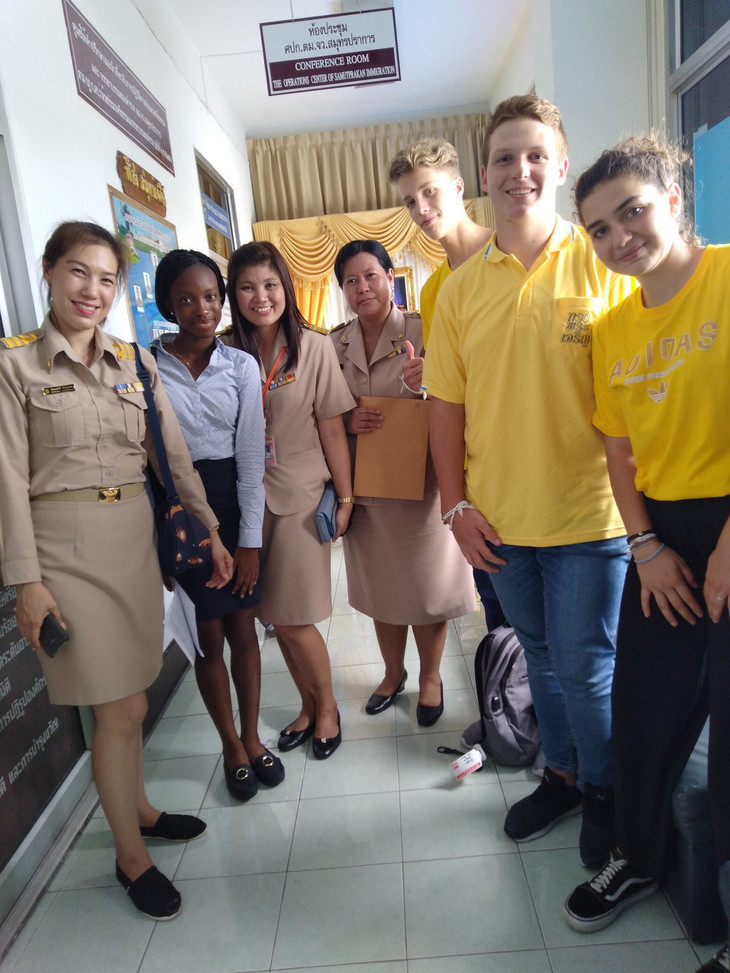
(269, 448)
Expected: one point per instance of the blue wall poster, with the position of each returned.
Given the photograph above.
(148, 238)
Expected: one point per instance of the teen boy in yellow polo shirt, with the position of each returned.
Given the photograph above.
(429, 181)
(509, 372)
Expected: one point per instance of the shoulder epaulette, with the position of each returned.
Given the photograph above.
(123, 349)
(20, 340)
(339, 327)
(315, 327)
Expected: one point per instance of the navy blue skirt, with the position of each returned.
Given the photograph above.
(219, 480)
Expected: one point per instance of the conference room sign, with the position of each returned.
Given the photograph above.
(313, 53)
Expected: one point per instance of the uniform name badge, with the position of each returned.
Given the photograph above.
(269, 451)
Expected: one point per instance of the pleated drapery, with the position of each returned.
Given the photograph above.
(310, 245)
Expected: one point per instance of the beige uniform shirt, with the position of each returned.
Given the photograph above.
(313, 389)
(382, 374)
(66, 426)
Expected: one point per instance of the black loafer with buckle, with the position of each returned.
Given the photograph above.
(269, 769)
(241, 781)
(378, 704)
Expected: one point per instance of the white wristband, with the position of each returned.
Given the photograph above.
(448, 518)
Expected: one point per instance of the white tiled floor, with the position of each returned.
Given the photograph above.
(374, 861)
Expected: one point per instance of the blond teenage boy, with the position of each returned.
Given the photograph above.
(429, 181)
(509, 372)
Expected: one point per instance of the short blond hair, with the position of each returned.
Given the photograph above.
(429, 153)
(526, 106)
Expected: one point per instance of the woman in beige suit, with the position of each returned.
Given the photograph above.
(304, 398)
(403, 566)
(77, 532)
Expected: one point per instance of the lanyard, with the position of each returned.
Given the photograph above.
(271, 375)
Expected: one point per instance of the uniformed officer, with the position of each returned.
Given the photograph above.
(77, 531)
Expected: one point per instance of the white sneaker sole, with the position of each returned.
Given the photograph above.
(600, 922)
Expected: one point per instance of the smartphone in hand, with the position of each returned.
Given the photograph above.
(53, 635)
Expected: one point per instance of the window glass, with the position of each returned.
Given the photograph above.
(699, 21)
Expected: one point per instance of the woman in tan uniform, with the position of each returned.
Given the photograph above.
(403, 566)
(77, 533)
(304, 397)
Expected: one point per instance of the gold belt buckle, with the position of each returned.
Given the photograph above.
(110, 494)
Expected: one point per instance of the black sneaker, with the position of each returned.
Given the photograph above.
(597, 836)
(534, 816)
(596, 903)
(720, 962)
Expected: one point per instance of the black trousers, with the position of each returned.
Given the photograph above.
(666, 682)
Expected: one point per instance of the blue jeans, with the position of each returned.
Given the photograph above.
(493, 614)
(563, 603)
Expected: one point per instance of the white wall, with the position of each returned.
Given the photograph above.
(590, 59)
(64, 152)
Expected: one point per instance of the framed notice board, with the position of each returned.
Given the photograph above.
(39, 743)
(148, 238)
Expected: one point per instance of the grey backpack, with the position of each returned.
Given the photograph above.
(508, 728)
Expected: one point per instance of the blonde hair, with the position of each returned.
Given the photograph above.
(526, 106)
(429, 153)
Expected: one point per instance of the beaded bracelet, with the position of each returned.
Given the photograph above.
(651, 557)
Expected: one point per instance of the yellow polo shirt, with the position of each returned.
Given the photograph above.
(662, 378)
(429, 293)
(514, 347)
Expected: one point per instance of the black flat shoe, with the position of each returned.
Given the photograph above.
(324, 747)
(377, 704)
(241, 781)
(427, 715)
(269, 769)
(154, 895)
(290, 739)
(175, 827)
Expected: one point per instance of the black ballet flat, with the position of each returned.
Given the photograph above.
(154, 895)
(291, 739)
(268, 769)
(378, 704)
(324, 747)
(427, 715)
(241, 782)
(175, 827)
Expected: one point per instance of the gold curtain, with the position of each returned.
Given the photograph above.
(309, 246)
(297, 176)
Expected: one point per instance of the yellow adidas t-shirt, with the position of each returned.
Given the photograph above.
(662, 378)
(513, 346)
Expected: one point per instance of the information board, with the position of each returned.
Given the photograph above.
(39, 743)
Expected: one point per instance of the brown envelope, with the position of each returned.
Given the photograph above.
(391, 461)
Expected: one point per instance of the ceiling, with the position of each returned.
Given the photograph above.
(451, 52)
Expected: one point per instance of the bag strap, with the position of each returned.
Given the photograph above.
(144, 376)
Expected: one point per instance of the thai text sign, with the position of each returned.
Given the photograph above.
(330, 52)
(106, 83)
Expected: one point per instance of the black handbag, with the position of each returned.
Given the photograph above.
(183, 540)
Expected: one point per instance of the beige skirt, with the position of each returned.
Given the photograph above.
(403, 566)
(100, 563)
(296, 587)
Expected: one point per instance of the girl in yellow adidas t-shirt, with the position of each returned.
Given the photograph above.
(662, 380)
